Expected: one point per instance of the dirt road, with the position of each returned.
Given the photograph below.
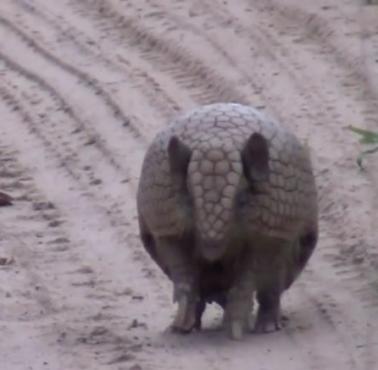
(84, 86)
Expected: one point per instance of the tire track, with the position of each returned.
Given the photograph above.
(172, 20)
(319, 31)
(180, 21)
(262, 42)
(118, 220)
(322, 322)
(87, 80)
(74, 172)
(45, 265)
(63, 106)
(203, 83)
(12, 178)
(75, 169)
(16, 106)
(64, 153)
(53, 140)
(151, 89)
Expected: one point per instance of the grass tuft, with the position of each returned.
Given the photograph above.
(367, 137)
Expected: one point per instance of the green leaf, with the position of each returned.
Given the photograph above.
(367, 137)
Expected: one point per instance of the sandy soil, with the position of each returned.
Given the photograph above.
(84, 86)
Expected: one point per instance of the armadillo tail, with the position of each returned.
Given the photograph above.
(211, 250)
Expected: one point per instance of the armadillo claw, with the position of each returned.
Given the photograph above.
(185, 319)
(266, 323)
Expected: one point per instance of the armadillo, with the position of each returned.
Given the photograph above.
(227, 208)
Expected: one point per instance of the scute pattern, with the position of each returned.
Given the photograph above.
(216, 135)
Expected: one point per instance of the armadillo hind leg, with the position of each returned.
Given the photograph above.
(272, 269)
(237, 313)
(268, 315)
(186, 316)
(182, 274)
(240, 303)
(268, 298)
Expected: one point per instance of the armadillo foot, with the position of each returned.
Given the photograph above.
(236, 330)
(185, 319)
(267, 322)
(236, 318)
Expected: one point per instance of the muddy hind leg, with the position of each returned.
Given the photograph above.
(181, 272)
(238, 303)
(268, 298)
(268, 315)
